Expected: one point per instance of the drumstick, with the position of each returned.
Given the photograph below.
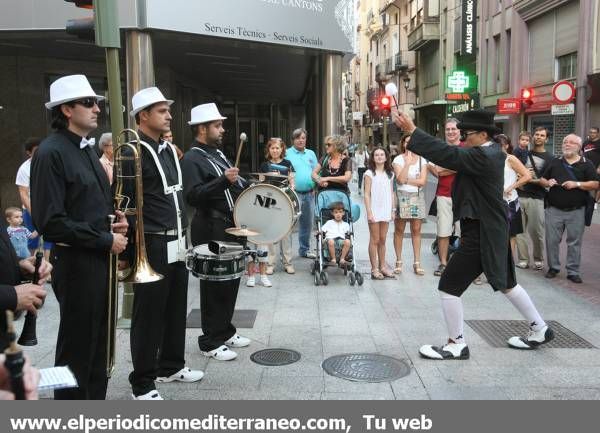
(243, 138)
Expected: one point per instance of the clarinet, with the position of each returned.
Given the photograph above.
(28, 334)
(14, 360)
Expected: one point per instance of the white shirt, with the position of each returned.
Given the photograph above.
(360, 159)
(414, 172)
(23, 174)
(334, 229)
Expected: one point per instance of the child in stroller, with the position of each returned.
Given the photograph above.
(337, 233)
(335, 215)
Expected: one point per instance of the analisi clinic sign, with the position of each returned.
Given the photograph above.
(320, 24)
(469, 28)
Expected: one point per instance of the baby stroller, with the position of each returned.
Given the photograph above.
(453, 245)
(323, 201)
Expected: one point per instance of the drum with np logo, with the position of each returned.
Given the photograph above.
(205, 265)
(270, 210)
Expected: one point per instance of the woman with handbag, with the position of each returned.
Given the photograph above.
(411, 175)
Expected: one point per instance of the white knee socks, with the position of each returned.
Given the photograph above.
(522, 302)
(453, 314)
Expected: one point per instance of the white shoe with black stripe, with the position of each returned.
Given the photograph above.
(446, 352)
(184, 375)
(533, 339)
(150, 395)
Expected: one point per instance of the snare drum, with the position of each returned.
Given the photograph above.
(270, 210)
(208, 266)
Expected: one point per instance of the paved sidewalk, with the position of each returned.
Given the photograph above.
(391, 317)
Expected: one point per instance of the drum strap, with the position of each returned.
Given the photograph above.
(219, 166)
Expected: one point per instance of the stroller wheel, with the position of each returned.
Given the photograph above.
(317, 279)
(345, 267)
(359, 278)
(352, 278)
(313, 266)
(434, 247)
(324, 278)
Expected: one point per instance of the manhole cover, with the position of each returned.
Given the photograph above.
(497, 332)
(366, 367)
(273, 357)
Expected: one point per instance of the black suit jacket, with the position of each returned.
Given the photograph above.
(10, 276)
(477, 194)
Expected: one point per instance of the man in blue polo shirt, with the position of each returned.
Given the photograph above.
(304, 161)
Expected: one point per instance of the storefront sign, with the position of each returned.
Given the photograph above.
(320, 24)
(469, 28)
(563, 109)
(458, 96)
(508, 106)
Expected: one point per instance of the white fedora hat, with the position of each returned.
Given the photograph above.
(205, 113)
(146, 97)
(70, 88)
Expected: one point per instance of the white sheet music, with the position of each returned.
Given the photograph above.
(56, 378)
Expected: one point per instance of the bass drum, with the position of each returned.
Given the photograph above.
(270, 210)
(205, 265)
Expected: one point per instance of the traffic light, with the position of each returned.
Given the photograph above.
(385, 105)
(83, 28)
(526, 97)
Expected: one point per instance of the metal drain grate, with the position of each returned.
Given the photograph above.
(240, 319)
(366, 367)
(497, 332)
(275, 357)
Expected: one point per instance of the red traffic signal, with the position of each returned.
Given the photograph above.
(86, 4)
(385, 102)
(527, 97)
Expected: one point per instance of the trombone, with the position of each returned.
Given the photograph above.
(141, 271)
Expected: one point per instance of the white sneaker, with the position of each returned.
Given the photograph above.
(449, 351)
(184, 375)
(264, 280)
(251, 282)
(538, 266)
(221, 353)
(151, 395)
(523, 265)
(533, 339)
(238, 341)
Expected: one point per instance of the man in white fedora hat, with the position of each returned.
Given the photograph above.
(158, 319)
(212, 185)
(70, 203)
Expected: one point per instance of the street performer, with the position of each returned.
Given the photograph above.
(484, 246)
(212, 186)
(70, 202)
(158, 320)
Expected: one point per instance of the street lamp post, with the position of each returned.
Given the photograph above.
(406, 85)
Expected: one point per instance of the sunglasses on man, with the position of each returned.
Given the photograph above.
(86, 102)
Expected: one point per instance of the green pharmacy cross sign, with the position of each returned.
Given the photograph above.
(458, 82)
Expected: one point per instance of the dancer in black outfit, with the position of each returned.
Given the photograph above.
(211, 185)
(70, 204)
(477, 202)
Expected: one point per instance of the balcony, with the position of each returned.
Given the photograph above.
(401, 61)
(424, 33)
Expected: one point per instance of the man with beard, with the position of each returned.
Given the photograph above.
(531, 199)
(212, 186)
(485, 247)
(158, 320)
(71, 202)
(570, 179)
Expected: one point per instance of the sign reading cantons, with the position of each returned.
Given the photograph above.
(320, 24)
(469, 28)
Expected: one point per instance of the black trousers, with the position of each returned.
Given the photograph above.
(158, 320)
(465, 264)
(80, 282)
(217, 298)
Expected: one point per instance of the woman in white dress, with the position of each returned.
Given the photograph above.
(380, 203)
(411, 176)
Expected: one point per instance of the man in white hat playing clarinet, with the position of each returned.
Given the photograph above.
(70, 203)
(212, 186)
(158, 319)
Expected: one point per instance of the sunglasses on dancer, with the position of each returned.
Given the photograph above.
(465, 134)
(86, 102)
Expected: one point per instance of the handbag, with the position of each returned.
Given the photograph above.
(589, 202)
